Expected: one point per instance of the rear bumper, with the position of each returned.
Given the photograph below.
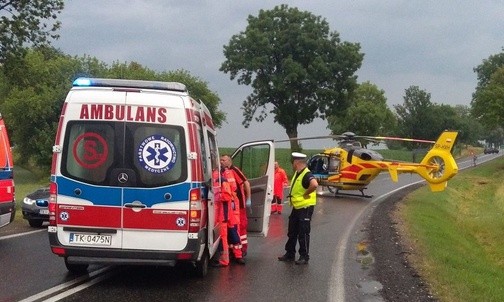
(93, 255)
(33, 214)
(7, 212)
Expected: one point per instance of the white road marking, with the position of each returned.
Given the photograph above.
(336, 281)
(21, 234)
(68, 285)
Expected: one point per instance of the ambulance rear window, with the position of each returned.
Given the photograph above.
(143, 155)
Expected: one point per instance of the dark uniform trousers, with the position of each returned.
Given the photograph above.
(299, 230)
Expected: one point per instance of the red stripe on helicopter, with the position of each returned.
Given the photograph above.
(370, 166)
(349, 176)
(352, 168)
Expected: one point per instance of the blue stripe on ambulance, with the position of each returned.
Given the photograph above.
(109, 196)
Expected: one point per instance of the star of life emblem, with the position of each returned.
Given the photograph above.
(64, 216)
(157, 154)
(181, 221)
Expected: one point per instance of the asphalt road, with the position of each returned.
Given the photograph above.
(337, 271)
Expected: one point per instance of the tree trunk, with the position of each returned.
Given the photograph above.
(292, 133)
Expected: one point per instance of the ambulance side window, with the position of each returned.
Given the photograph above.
(253, 161)
(89, 151)
(204, 154)
(214, 154)
(160, 156)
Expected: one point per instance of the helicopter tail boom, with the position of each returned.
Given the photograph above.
(438, 165)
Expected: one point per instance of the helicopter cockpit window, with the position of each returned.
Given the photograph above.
(334, 165)
(318, 164)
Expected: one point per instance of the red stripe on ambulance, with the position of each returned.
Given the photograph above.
(92, 216)
(156, 219)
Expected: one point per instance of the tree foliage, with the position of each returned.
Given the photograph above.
(488, 102)
(416, 115)
(368, 113)
(25, 22)
(470, 129)
(495, 137)
(419, 118)
(487, 105)
(295, 65)
(35, 86)
(487, 68)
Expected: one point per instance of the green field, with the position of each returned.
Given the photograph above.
(458, 235)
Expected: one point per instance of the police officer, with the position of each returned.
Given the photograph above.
(303, 198)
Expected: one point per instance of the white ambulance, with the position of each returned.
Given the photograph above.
(130, 176)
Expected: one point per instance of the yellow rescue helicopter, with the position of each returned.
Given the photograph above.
(349, 166)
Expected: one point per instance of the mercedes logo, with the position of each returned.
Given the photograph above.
(122, 177)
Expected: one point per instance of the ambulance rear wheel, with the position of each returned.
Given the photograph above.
(201, 268)
(76, 268)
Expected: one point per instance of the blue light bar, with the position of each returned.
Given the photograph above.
(158, 85)
(82, 82)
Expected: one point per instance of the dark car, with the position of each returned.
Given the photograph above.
(490, 150)
(35, 208)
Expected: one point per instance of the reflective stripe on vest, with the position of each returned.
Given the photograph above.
(297, 192)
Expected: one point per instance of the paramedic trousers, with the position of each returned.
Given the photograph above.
(299, 231)
(230, 240)
(276, 204)
(243, 230)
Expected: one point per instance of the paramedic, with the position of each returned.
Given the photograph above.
(224, 204)
(303, 198)
(243, 194)
(279, 184)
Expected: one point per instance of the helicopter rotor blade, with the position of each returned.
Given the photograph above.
(351, 136)
(399, 139)
(308, 138)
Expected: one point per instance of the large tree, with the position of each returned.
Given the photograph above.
(488, 101)
(419, 118)
(416, 115)
(470, 129)
(299, 70)
(368, 113)
(487, 68)
(25, 22)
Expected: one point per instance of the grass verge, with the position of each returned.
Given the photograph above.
(458, 235)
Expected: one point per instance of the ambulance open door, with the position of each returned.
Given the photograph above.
(256, 160)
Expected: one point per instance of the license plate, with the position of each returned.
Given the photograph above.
(91, 239)
(44, 212)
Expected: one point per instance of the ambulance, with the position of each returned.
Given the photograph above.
(7, 200)
(131, 177)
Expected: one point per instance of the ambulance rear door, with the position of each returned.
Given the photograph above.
(88, 203)
(256, 160)
(156, 201)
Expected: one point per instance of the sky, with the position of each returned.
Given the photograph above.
(433, 44)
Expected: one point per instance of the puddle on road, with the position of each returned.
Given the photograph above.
(370, 287)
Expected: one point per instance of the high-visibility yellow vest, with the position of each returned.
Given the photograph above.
(297, 192)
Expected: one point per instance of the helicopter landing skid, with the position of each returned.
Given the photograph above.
(362, 194)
